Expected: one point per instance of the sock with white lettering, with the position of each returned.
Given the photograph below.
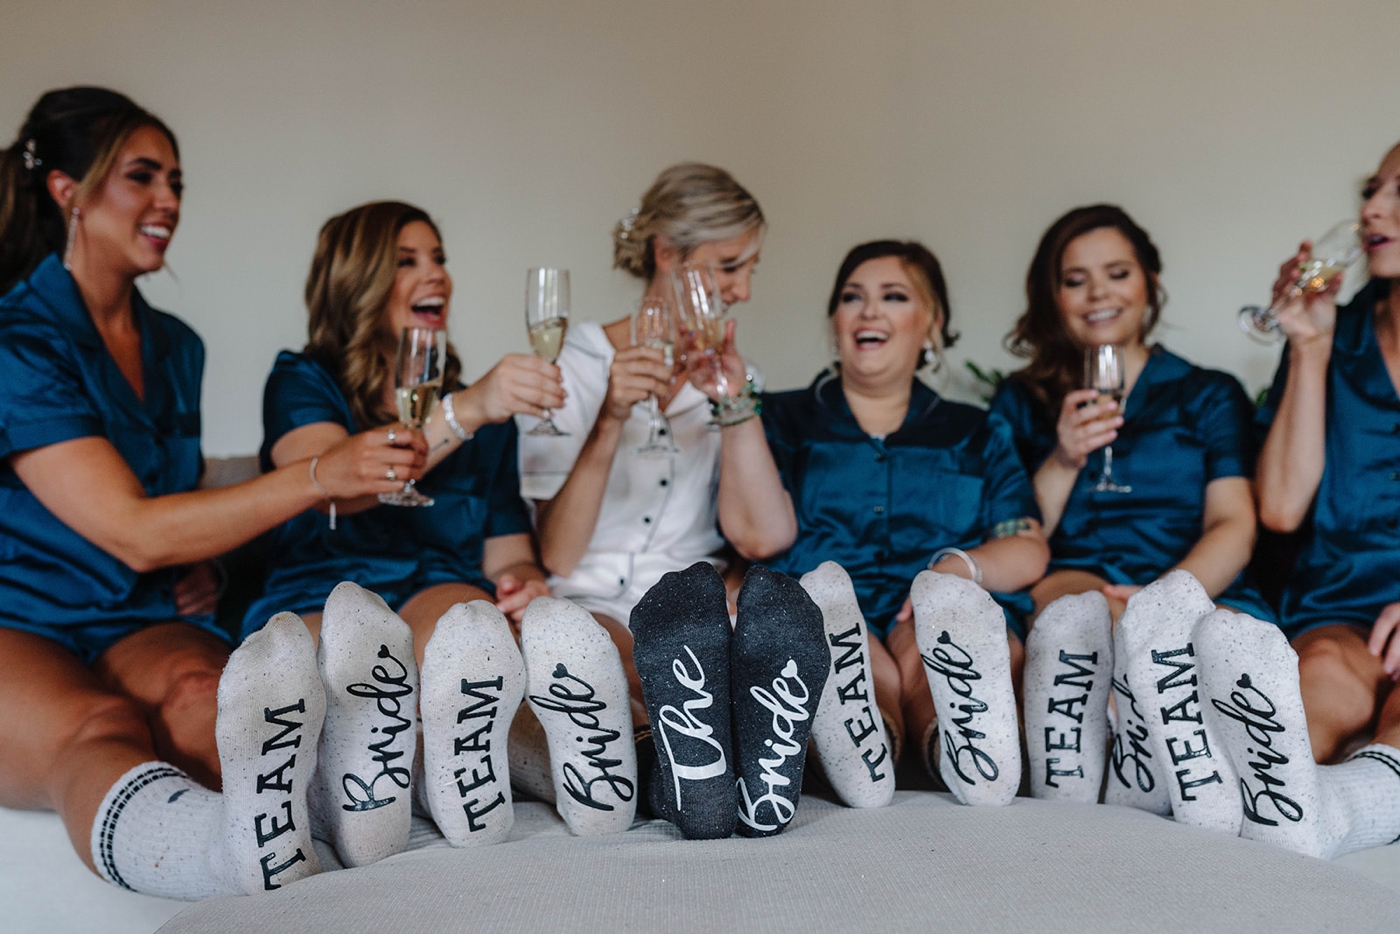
(848, 731)
(576, 686)
(681, 635)
(961, 632)
(778, 665)
(360, 799)
(1069, 670)
(1249, 677)
(1155, 637)
(473, 680)
(271, 707)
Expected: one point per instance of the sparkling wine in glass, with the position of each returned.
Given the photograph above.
(654, 326)
(1332, 254)
(1105, 369)
(417, 384)
(547, 317)
(700, 317)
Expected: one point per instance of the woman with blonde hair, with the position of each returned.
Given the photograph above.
(611, 521)
(108, 644)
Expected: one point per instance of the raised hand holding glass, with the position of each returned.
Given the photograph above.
(654, 326)
(1105, 369)
(1332, 254)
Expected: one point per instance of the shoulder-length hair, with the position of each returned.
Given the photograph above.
(352, 276)
(1056, 362)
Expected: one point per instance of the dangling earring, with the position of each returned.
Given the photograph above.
(926, 358)
(72, 235)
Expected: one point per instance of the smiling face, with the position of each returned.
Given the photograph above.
(127, 224)
(1103, 290)
(1380, 218)
(422, 287)
(733, 261)
(881, 323)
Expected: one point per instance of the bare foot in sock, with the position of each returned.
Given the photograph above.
(848, 730)
(361, 800)
(1136, 778)
(1069, 670)
(473, 680)
(577, 688)
(1250, 680)
(271, 706)
(681, 639)
(961, 633)
(778, 666)
(1155, 636)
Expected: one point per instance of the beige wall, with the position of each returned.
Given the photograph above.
(1229, 129)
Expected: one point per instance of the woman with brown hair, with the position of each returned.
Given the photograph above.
(1183, 451)
(109, 655)
(378, 269)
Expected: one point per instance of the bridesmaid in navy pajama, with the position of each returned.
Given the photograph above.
(1182, 443)
(1333, 450)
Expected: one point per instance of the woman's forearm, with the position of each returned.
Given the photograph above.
(1294, 454)
(1008, 564)
(1053, 483)
(755, 512)
(565, 524)
(1220, 555)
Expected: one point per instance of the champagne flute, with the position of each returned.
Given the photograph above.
(547, 317)
(1105, 367)
(654, 326)
(700, 314)
(1332, 254)
(417, 384)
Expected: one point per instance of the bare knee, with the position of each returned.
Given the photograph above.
(1332, 688)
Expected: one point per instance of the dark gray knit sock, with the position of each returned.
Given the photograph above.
(778, 664)
(680, 632)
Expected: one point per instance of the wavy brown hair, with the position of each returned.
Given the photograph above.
(352, 276)
(78, 131)
(1056, 365)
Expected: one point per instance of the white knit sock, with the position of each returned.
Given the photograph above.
(848, 730)
(473, 679)
(1250, 677)
(1155, 633)
(156, 831)
(1069, 670)
(159, 832)
(577, 688)
(360, 799)
(961, 632)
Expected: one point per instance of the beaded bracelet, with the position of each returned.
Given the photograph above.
(451, 417)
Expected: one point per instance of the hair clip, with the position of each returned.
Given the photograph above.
(31, 161)
(629, 221)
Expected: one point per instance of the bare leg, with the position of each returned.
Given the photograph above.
(1343, 687)
(77, 736)
(622, 638)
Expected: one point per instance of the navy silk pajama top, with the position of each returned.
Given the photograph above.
(1349, 569)
(393, 551)
(1183, 427)
(59, 383)
(879, 507)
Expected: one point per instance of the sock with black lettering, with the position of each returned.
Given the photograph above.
(473, 680)
(161, 833)
(1155, 636)
(778, 665)
(1136, 778)
(1069, 670)
(576, 686)
(1249, 678)
(961, 632)
(361, 799)
(680, 631)
(848, 731)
